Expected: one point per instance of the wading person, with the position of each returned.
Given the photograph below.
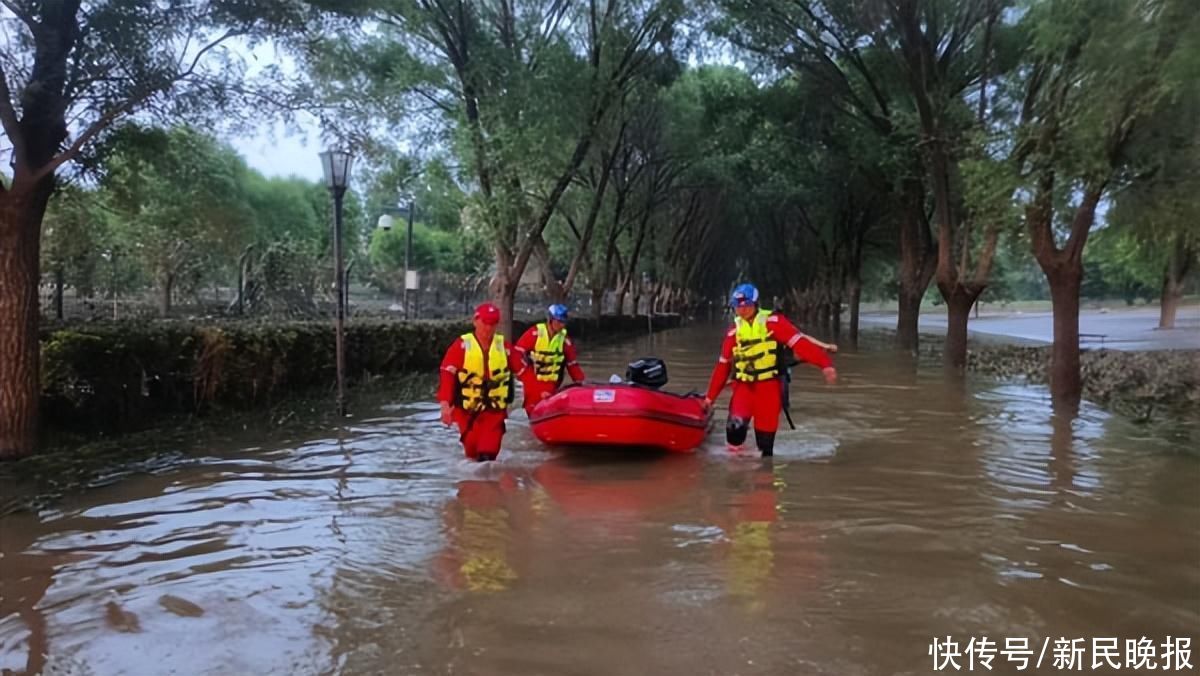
(476, 385)
(754, 351)
(549, 354)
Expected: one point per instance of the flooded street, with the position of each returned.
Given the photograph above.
(903, 507)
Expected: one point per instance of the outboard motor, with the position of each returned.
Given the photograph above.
(648, 372)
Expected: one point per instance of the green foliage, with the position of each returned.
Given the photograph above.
(1120, 266)
(766, 176)
(74, 233)
(433, 250)
(288, 210)
(1015, 275)
(91, 64)
(177, 199)
(520, 93)
(175, 206)
(1099, 71)
(1157, 215)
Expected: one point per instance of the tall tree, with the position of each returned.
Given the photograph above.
(526, 85)
(69, 69)
(74, 232)
(1159, 211)
(946, 47)
(844, 48)
(1096, 72)
(177, 196)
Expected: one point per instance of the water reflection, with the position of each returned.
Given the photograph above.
(609, 487)
(747, 522)
(480, 527)
(26, 575)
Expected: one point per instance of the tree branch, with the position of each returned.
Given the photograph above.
(987, 255)
(852, 55)
(106, 119)
(593, 214)
(1081, 223)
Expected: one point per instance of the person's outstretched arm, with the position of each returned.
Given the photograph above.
(805, 348)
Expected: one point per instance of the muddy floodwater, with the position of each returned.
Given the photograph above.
(903, 507)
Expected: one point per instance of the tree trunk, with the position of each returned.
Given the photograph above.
(1066, 386)
(551, 287)
(243, 263)
(504, 294)
(1178, 263)
(58, 292)
(1172, 294)
(20, 239)
(958, 313)
(917, 265)
(907, 317)
(168, 285)
(855, 291)
(806, 312)
(597, 303)
(1064, 272)
(915, 276)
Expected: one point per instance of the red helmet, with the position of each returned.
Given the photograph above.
(488, 313)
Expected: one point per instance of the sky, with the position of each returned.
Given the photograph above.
(277, 151)
(274, 149)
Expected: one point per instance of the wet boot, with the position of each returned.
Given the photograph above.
(736, 430)
(486, 457)
(766, 442)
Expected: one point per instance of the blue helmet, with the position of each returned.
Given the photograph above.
(557, 312)
(744, 294)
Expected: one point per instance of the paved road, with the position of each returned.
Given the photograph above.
(1132, 329)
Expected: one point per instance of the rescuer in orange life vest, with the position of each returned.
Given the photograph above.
(754, 351)
(477, 385)
(548, 352)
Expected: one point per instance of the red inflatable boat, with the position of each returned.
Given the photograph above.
(621, 414)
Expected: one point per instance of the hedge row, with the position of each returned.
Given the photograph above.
(118, 376)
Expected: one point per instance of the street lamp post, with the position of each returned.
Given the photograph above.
(111, 256)
(385, 223)
(336, 164)
(412, 206)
